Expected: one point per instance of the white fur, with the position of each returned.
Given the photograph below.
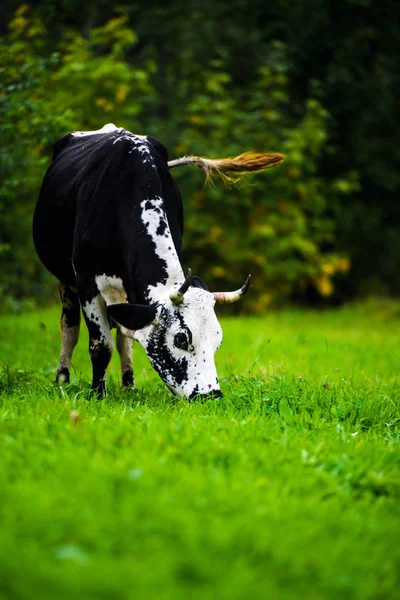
(164, 247)
(198, 313)
(112, 291)
(96, 312)
(138, 143)
(111, 288)
(107, 128)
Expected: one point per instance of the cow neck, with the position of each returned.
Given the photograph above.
(165, 273)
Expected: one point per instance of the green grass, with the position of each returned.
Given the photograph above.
(287, 488)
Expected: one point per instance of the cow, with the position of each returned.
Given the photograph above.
(108, 225)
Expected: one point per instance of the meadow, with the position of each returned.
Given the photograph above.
(286, 488)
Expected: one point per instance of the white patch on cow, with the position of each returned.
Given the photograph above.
(111, 288)
(198, 314)
(157, 227)
(106, 129)
(138, 143)
(96, 312)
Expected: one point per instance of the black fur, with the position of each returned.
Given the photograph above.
(88, 212)
(133, 316)
(159, 353)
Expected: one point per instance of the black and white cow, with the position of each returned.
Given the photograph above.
(108, 224)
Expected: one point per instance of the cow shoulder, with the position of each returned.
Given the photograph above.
(61, 144)
(170, 191)
(159, 148)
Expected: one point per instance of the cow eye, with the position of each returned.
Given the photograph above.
(181, 341)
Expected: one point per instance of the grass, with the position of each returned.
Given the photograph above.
(286, 488)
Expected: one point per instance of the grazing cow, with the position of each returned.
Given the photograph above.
(108, 224)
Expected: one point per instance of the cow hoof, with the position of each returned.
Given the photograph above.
(98, 393)
(128, 389)
(62, 376)
(127, 381)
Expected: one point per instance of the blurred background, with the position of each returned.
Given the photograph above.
(313, 79)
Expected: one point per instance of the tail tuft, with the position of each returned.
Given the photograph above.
(249, 162)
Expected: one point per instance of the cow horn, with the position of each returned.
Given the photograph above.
(227, 297)
(177, 297)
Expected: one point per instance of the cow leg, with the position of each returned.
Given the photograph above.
(112, 290)
(101, 342)
(125, 349)
(69, 323)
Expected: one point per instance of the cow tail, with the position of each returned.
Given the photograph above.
(231, 170)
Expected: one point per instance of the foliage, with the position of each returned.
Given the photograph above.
(288, 487)
(42, 98)
(278, 226)
(274, 77)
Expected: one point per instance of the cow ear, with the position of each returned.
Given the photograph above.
(199, 283)
(132, 316)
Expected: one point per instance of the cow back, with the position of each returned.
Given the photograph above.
(88, 212)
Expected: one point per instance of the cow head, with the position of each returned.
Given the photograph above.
(180, 335)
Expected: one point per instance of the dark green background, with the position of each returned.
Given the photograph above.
(316, 80)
